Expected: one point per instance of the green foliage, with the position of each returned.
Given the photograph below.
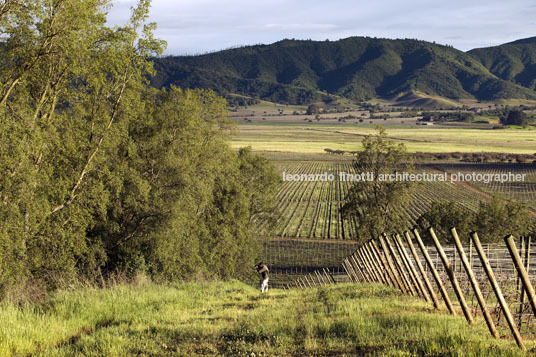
(442, 216)
(359, 68)
(493, 220)
(376, 204)
(68, 85)
(496, 218)
(104, 173)
(515, 117)
(512, 61)
(447, 116)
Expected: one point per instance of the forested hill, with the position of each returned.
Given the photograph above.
(514, 61)
(295, 71)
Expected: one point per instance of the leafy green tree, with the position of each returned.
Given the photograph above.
(377, 205)
(515, 117)
(496, 218)
(442, 216)
(187, 201)
(104, 173)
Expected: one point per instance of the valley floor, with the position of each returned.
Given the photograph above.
(231, 319)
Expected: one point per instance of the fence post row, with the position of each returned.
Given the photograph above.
(391, 266)
(375, 268)
(474, 284)
(357, 268)
(388, 274)
(435, 274)
(398, 266)
(487, 268)
(409, 266)
(431, 291)
(389, 263)
(452, 277)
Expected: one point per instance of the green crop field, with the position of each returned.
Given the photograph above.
(314, 138)
(232, 319)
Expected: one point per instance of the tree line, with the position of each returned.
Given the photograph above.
(103, 173)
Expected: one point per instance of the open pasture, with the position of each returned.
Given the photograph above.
(314, 138)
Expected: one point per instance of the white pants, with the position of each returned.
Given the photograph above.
(264, 286)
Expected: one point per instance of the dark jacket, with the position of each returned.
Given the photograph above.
(263, 270)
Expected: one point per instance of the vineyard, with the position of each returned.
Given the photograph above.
(524, 192)
(493, 281)
(312, 209)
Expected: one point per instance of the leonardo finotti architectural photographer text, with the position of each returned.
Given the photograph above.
(406, 176)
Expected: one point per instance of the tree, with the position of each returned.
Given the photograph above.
(495, 219)
(515, 117)
(377, 206)
(313, 109)
(103, 173)
(444, 215)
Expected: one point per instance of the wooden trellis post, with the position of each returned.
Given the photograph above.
(498, 293)
(474, 284)
(527, 267)
(435, 274)
(409, 266)
(431, 291)
(450, 272)
(391, 266)
(525, 279)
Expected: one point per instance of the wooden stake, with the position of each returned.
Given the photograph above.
(527, 267)
(391, 265)
(435, 274)
(497, 290)
(525, 279)
(474, 284)
(409, 265)
(429, 288)
(452, 277)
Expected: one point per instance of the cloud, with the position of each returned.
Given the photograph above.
(192, 26)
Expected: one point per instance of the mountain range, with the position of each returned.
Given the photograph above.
(357, 68)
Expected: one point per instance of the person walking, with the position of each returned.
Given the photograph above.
(262, 269)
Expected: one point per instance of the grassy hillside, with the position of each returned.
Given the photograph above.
(233, 319)
(514, 61)
(358, 68)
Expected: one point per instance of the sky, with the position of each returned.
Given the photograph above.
(200, 26)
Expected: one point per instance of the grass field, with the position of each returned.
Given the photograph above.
(232, 319)
(314, 138)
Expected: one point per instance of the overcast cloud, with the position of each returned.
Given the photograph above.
(198, 26)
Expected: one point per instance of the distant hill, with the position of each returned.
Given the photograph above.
(358, 68)
(513, 61)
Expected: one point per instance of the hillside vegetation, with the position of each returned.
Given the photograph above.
(101, 172)
(514, 61)
(298, 72)
(232, 319)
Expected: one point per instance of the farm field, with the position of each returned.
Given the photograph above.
(312, 209)
(314, 138)
(231, 318)
(524, 192)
